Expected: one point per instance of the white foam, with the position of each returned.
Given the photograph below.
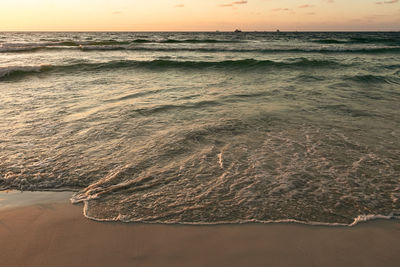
(369, 217)
(126, 219)
(220, 160)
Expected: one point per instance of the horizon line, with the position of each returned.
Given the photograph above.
(221, 31)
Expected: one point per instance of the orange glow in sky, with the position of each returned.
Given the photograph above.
(199, 15)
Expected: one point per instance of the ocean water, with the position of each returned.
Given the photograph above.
(205, 128)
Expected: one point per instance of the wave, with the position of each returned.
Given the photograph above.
(114, 42)
(373, 79)
(372, 40)
(188, 41)
(246, 50)
(32, 47)
(80, 197)
(21, 49)
(330, 41)
(22, 70)
(76, 199)
(15, 71)
(11, 47)
(101, 46)
(199, 41)
(359, 40)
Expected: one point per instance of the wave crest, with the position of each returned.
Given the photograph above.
(14, 71)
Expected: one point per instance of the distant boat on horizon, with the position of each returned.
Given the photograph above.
(237, 30)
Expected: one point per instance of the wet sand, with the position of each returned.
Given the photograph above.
(56, 234)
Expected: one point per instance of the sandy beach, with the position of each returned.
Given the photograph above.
(50, 232)
(199, 127)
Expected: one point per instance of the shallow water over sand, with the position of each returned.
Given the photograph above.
(205, 127)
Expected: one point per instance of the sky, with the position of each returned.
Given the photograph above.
(199, 15)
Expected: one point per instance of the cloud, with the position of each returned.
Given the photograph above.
(281, 9)
(290, 9)
(234, 3)
(387, 2)
(306, 6)
(180, 5)
(116, 12)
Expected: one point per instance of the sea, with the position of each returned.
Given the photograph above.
(205, 127)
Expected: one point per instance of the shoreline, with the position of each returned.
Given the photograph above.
(57, 234)
(15, 199)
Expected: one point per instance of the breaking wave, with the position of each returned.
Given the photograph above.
(17, 71)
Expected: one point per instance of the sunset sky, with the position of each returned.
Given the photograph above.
(199, 15)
